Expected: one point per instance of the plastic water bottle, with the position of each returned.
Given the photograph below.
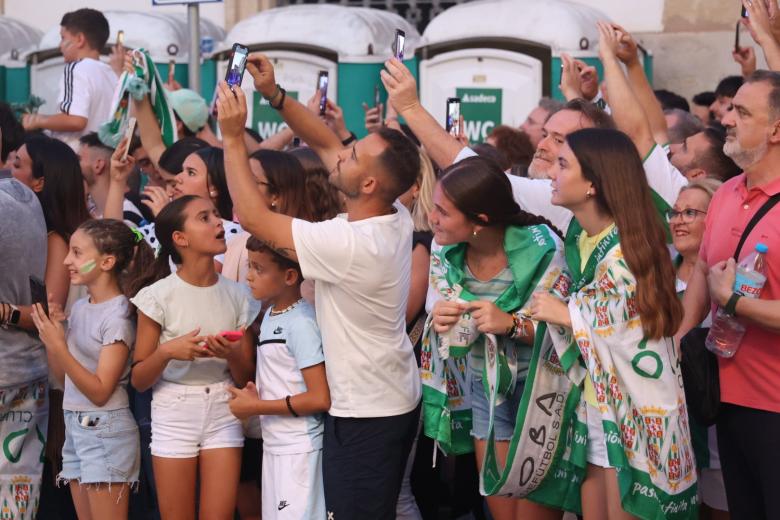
(727, 332)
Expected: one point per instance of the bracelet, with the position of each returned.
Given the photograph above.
(273, 96)
(281, 102)
(511, 332)
(352, 137)
(731, 305)
(289, 407)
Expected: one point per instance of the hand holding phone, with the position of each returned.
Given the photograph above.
(38, 293)
(129, 136)
(120, 37)
(237, 65)
(232, 335)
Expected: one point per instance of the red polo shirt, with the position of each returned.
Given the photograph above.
(752, 377)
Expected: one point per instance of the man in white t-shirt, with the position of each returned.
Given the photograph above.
(361, 265)
(87, 85)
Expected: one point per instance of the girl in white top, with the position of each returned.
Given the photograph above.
(101, 457)
(181, 351)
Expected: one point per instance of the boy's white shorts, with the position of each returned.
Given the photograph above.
(292, 486)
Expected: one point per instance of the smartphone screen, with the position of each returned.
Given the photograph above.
(120, 37)
(38, 293)
(743, 12)
(453, 116)
(377, 99)
(398, 47)
(736, 37)
(237, 65)
(322, 86)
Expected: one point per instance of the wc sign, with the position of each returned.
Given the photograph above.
(481, 110)
(265, 120)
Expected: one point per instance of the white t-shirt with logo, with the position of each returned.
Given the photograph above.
(86, 90)
(361, 272)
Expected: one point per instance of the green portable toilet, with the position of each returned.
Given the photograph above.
(164, 35)
(16, 39)
(351, 43)
(501, 56)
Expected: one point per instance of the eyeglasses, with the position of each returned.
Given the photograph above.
(687, 215)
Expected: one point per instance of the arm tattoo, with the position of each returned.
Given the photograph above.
(286, 252)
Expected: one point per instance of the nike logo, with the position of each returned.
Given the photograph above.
(278, 330)
(282, 505)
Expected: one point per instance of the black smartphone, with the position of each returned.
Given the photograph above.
(453, 116)
(398, 45)
(38, 293)
(743, 12)
(237, 65)
(736, 37)
(322, 86)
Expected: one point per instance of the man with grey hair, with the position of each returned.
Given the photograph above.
(681, 125)
(533, 124)
(749, 417)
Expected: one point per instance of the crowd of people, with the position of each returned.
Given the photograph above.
(195, 321)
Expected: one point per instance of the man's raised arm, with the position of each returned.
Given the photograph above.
(275, 229)
(311, 129)
(401, 88)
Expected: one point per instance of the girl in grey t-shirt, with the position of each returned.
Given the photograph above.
(91, 357)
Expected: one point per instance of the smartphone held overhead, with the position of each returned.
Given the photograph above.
(322, 86)
(453, 116)
(129, 136)
(398, 45)
(237, 65)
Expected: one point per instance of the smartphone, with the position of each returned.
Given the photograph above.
(322, 86)
(453, 116)
(232, 335)
(736, 37)
(120, 37)
(171, 71)
(377, 99)
(398, 46)
(560, 78)
(129, 136)
(237, 65)
(744, 12)
(38, 293)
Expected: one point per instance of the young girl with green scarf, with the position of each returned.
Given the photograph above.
(488, 369)
(631, 434)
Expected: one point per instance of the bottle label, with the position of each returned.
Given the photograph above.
(749, 285)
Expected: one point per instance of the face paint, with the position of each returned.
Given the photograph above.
(87, 267)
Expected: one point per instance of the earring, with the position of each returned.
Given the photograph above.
(474, 233)
(212, 194)
(588, 194)
(273, 204)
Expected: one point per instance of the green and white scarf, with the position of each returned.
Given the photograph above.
(145, 80)
(638, 386)
(548, 398)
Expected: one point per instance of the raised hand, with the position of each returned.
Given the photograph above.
(231, 111)
(157, 199)
(400, 85)
(262, 71)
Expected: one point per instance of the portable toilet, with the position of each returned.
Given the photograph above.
(16, 39)
(164, 35)
(350, 43)
(501, 56)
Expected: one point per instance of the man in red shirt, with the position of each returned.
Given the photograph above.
(749, 422)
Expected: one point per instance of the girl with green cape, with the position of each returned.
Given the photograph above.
(488, 369)
(622, 313)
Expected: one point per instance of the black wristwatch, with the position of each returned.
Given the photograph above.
(731, 305)
(352, 138)
(16, 315)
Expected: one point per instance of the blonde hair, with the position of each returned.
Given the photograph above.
(423, 205)
(708, 185)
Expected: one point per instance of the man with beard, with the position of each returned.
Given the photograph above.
(701, 155)
(361, 266)
(749, 418)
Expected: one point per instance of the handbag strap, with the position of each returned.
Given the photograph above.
(763, 210)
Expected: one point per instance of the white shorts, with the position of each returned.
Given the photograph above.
(190, 418)
(597, 443)
(292, 486)
(712, 490)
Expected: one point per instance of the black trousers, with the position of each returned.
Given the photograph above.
(363, 463)
(749, 445)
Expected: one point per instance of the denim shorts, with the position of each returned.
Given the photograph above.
(504, 418)
(100, 446)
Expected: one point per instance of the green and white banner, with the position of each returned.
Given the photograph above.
(265, 120)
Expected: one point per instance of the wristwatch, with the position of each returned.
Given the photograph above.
(731, 305)
(16, 315)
